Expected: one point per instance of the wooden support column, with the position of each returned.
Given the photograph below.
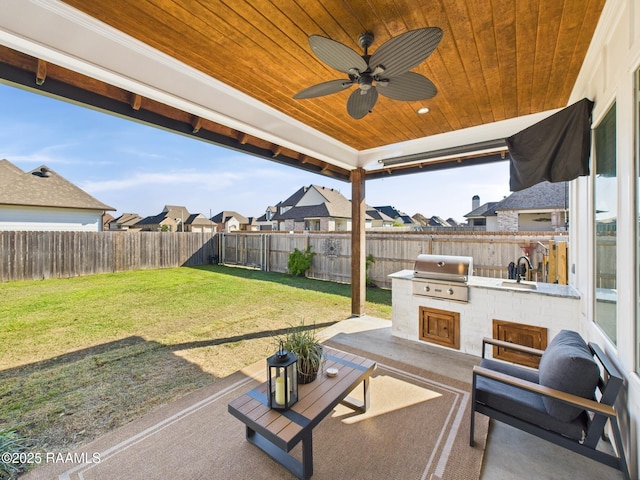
(358, 243)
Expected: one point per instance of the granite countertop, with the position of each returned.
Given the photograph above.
(551, 289)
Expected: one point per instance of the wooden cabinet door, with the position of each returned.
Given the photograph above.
(440, 326)
(521, 334)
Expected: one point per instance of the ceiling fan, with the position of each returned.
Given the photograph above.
(386, 72)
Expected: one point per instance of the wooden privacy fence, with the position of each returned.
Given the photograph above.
(38, 255)
(491, 251)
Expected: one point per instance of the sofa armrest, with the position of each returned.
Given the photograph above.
(581, 402)
(513, 346)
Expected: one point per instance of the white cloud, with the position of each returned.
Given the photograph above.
(177, 179)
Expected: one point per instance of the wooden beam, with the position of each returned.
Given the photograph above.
(41, 72)
(136, 101)
(358, 243)
(277, 151)
(196, 123)
(244, 138)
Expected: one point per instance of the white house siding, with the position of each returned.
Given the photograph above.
(492, 224)
(312, 197)
(232, 225)
(608, 76)
(49, 219)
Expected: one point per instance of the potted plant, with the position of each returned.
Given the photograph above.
(303, 342)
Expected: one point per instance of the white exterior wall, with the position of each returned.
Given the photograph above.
(232, 225)
(607, 76)
(312, 197)
(49, 219)
(492, 224)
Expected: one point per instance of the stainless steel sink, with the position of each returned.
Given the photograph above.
(519, 286)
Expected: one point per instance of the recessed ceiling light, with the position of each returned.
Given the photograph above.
(423, 110)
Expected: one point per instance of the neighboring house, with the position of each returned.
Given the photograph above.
(43, 200)
(542, 207)
(315, 208)
(157, 223)
(434, 221)
(198, 223)
(107, 218)
(482, 215)
(252, 225)
(400, 219)
(266, 221)
(230, 221)
(126, 222)
(379, 219)
(175, 218)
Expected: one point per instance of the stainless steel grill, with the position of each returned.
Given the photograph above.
(442, 276)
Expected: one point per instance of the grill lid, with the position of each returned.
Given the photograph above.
(448, 268)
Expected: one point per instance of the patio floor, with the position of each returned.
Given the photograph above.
(510, 453)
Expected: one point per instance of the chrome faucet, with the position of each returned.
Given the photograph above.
(519, 276)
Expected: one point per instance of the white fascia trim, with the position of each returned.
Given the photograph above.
(372, 158)
(60, 34)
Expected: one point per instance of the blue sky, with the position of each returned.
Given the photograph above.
(139, 169)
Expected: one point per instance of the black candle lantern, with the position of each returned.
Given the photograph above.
(282, 379)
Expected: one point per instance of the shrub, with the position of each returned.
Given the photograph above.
(300, 261)
(10, 443)
(370, 259)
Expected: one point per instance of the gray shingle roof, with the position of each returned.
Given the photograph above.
(336, 205)
(128, 219)
(227, 214)
(307, 211)
(197, 219)
(42, 187)
(153, 219)
(543, 195)
(484, 210)
(293, 200)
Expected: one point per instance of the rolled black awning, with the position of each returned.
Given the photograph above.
(557, 149)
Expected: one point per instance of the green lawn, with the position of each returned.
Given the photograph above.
(81, 356)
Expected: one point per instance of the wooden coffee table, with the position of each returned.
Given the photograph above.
(276, 432)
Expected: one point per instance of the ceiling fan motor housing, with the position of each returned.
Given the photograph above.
(365, 82)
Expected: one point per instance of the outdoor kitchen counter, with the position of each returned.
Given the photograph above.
(550, 306)
(551, 289)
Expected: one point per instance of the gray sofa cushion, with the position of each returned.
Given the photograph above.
(568, 365)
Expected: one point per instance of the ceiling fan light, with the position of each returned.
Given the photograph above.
(365, 82)
(423, 110)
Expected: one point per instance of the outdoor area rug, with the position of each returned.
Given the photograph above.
(417, 427)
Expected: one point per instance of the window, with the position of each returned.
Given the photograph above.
(605, 214)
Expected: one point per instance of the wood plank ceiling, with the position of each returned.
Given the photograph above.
(497, 60)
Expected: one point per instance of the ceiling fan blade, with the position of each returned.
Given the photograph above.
(336, 55)
(360, 104)
(325, 88)
(402, 53)
(409, 86)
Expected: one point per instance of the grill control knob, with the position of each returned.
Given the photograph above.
(450, 291)
(427, 288)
